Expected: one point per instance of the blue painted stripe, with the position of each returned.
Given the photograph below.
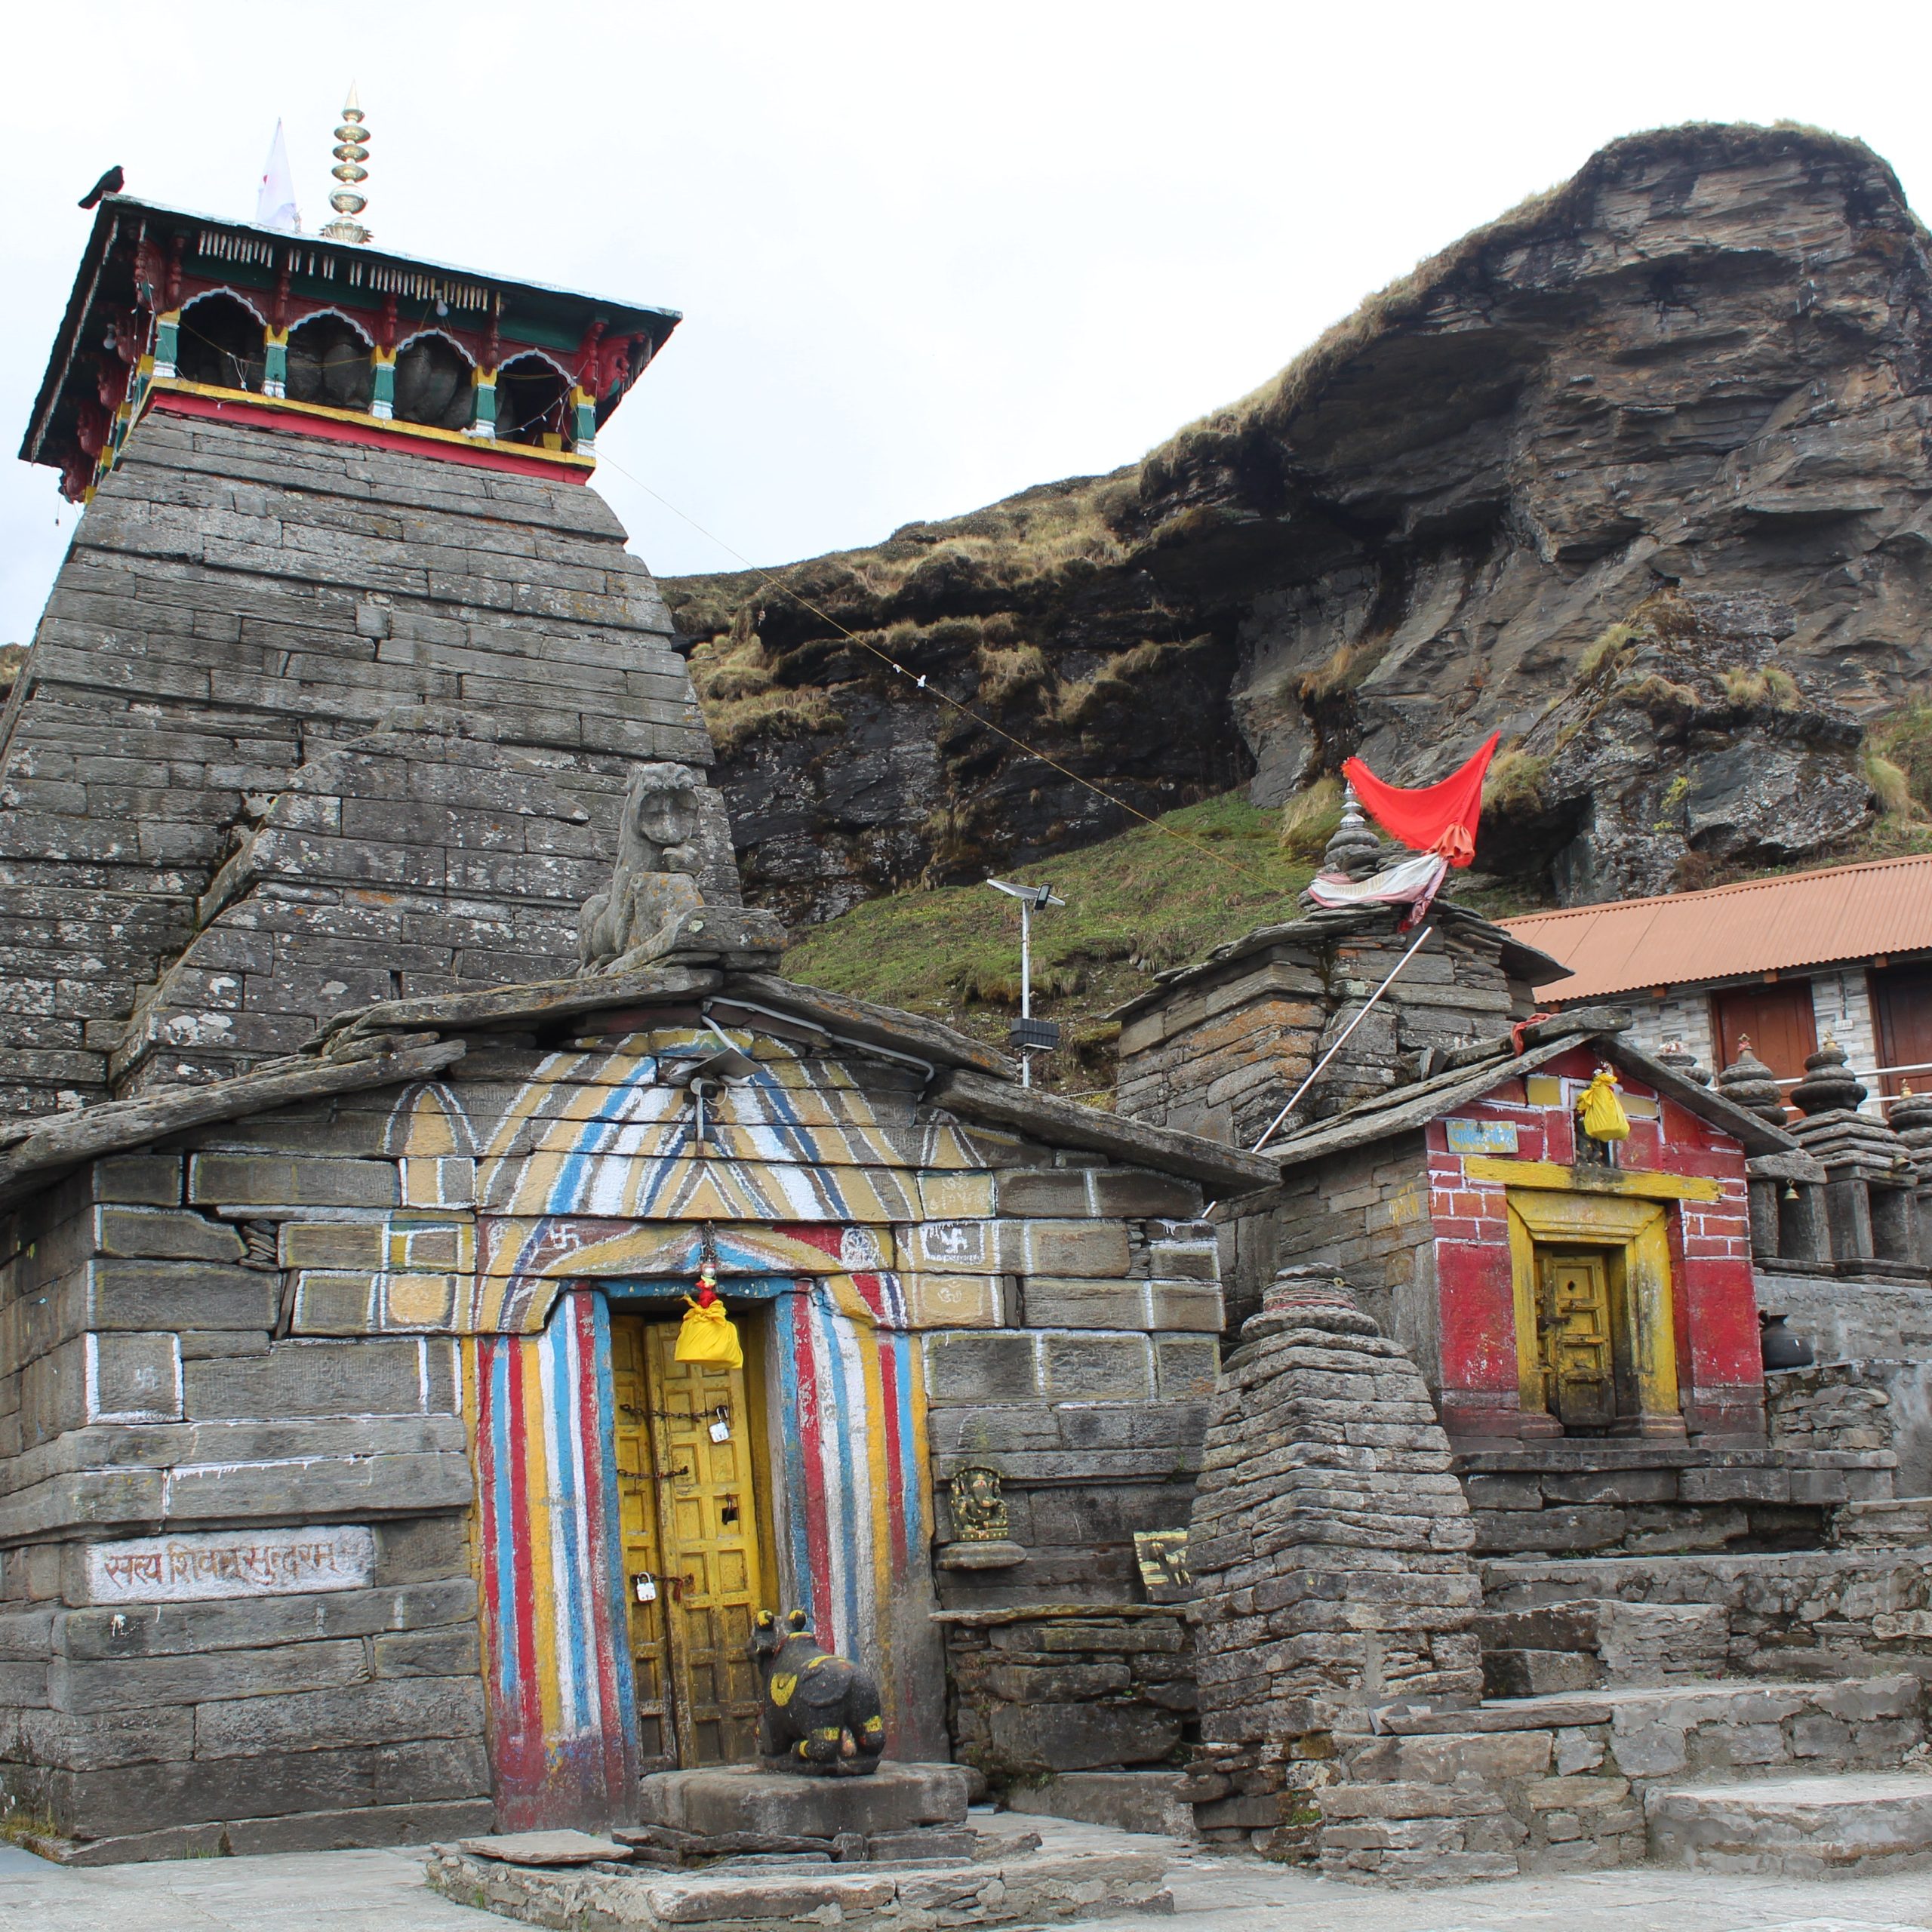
(790, 1311)
(901, 1345)
(849, 1421)
(565, 1189)
(614, 1580)
(509, 1647)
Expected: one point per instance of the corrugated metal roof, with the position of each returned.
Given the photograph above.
(1763, 925)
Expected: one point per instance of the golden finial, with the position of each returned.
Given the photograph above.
(350, 154)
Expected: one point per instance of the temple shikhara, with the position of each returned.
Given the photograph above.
(1387, 1440)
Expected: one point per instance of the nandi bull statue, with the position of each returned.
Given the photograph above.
(818, 1714)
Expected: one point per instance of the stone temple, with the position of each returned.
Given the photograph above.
(388, 1055)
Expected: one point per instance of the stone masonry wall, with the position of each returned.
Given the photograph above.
(144, 1392)
(253, 1331)
(236, 602)
(1086, 1386)
(1365, 1215)
(1061, 1689)
(1329, 1547)
(1219, 1049)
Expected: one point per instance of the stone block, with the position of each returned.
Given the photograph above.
(1129, 1193)
(370, 1825)
(1737, 1485)
(1065, 1683)
(92, 1741)
(332, 1302)
(740, 1797)
(1187, 1367)
(1051, 1302)
(981, 1367)
(392, 1710)
(955, 1301)
(1079, 1366)
(133, 1378)
(164, 1234)
(1488, 1757)
(120, 1683)
(310, 1378)
(342, 1485)
(145, 1180)
(1091, 1249)
(1081, 1737)
(230, 1623)
(452, 1651)
(291, 1180)
(154, 1296)
(144, 1798)
(956, 1197)
(1560, 1529)
(347, 1244)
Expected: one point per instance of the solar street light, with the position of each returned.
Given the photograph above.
(1030, 1036)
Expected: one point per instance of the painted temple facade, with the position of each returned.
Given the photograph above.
(351, 1489)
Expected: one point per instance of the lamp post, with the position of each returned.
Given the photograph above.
(1029, 1035)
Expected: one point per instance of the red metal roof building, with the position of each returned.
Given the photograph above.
(1846, 951)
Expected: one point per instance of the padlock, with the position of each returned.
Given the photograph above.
(646, 1587)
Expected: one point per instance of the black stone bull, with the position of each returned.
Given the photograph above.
(818, 1714)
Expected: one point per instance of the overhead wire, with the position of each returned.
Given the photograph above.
(921, 680)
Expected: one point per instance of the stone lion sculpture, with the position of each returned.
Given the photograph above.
(657, 858)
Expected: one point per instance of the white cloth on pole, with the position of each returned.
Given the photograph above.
(274, 201)
(1413, 881)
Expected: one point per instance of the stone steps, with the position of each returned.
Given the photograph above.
(1818, 1615)
(1559, 1783)
(1902, 1522)
(1590, 1642)
(1846, 1826)
(1146, 1802)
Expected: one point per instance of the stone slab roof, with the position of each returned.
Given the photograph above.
(399, 1041)
(1520, 959)
(1473, 1071)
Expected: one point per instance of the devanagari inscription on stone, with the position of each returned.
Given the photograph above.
(222, 1563)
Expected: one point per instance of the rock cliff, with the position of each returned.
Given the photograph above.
(1664, 426)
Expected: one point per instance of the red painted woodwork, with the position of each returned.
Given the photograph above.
(1902, 1000)
(1778, 1019)
(479, 454)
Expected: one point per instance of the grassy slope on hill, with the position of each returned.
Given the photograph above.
(1135, 905)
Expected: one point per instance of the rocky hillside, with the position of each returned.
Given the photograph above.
(1637, 473)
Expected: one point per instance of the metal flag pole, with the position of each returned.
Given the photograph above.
(1314, 1072)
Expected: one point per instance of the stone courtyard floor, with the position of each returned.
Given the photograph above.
(382, 1891)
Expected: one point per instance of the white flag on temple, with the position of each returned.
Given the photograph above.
(275, 204)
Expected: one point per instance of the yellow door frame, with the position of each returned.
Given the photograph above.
(654, 1321)
(1641, 1229)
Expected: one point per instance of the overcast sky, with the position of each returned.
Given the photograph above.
(926, 255)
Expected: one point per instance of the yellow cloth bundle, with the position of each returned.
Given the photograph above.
(1601, 1111)
(707, 1334)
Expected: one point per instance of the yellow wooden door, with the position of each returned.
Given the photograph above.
(708, 1519)
(690, 1534)
(1579, 1353)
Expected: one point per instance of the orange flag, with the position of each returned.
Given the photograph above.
(1440, 818)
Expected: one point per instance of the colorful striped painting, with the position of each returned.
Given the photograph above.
(561, 1731)
(849, 1512)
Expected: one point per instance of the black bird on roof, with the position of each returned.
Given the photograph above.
(110, 183)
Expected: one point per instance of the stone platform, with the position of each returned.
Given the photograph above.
(738, 1799)
(1599, 1495)
(1012, 1881)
